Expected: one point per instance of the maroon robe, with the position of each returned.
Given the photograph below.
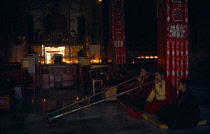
(184, 114)
(140, 94)
(111, 73)
(155, 105)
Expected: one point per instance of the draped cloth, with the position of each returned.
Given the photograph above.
(177, 40)
(118, 30)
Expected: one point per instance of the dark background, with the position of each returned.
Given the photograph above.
(141, 26)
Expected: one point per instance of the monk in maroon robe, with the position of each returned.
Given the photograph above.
(161, 94)
(185, 113)
(138, 96)
(110, 75)
(125, 67)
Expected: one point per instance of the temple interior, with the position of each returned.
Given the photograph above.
(54, 58)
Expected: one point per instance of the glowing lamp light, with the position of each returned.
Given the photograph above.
(77, 98)
(147, 57)
(133, 62)
(44, 100)
(68, 62)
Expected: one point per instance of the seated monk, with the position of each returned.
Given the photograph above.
(138, 97)
(185, 113)
(116, 75)
(125, 67)
(110, 75)
(125, 86)
(162, 93)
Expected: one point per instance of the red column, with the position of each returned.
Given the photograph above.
(174, 40)
(118, 31)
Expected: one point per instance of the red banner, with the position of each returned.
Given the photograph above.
(168, 57)
(118, 30)
(182, 59)
(177, 47)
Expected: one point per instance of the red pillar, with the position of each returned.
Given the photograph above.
(118, 32)
(173, 38)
